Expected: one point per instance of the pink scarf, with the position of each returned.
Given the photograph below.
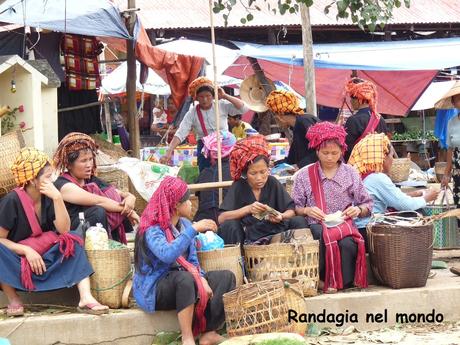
(333, 276)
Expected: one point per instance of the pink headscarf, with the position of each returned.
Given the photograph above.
(227, 140)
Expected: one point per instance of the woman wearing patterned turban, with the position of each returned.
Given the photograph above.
(168, 275)
(75, 159)
(285, 106)
(208, 206)
(37, 251)
(252, 191)
(202, 117)
(324, 188)
(366, 119)
(373, 157)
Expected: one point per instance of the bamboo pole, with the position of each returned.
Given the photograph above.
(216, 100)
(133, 121)
(308, 63)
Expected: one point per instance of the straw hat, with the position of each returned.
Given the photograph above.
(446, 101)
(253, 94)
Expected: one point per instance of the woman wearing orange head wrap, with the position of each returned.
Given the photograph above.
(366, 119)
(38, 252)
(253, 191)
(202, 117)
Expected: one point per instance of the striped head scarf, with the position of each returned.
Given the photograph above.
(28, 164)
(364, 91)
(369, 154)
(283, 102)
(196, 84)
(73, 142)
(227, 140)
(245, 151)
(325, 131)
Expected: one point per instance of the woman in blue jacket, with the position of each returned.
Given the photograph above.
(168, 275)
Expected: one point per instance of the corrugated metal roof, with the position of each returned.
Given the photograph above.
(173, 14)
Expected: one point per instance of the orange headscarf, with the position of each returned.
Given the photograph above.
(283, 102)
(74, 142)
(364, 91)
(196, 84)
(245, 151)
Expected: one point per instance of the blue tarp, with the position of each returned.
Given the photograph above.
(430, 54)
(84, 17)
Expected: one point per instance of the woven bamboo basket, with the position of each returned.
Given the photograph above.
(401, 256)
(439, 170)
(257, 308)
(228, 258)
(10, 145)
(285, 260)
(112, 270)
(140, 204)
(115, 177)
(109, 148)
(400, 169)
(296, 301)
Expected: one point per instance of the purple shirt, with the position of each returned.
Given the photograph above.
(345, 189)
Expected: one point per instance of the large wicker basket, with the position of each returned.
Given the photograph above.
(257, 308)
(115, 177)
(296, 302)
(10, 145)
(282, 260)
(401, 256)
(400, 169)
(445, 230)
(112, 270)
(228, 258)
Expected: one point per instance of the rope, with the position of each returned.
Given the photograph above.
(114, 285)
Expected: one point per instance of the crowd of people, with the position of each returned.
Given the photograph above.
(340, 169)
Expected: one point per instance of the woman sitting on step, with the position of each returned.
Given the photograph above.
(326, 187)
(37, 251)
(252, 192)
(82, 191)
(168, 275)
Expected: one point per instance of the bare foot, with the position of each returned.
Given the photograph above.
(188, 341)
(95, 305)
(211, 338)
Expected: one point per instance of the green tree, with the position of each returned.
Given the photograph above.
(364, 13)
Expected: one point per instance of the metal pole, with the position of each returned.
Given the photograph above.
(216, 100)
(133, 121)
(308, 63)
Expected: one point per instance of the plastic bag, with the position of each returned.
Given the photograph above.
(96, 238)
(209, 241)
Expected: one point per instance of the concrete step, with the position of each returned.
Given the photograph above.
(123, 327)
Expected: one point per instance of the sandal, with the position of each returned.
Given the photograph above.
(89, 309)
(15, 310)
(455, 270)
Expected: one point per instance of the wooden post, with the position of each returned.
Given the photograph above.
(308, 63)
(133, 121)
(108, 122)
(216, 102)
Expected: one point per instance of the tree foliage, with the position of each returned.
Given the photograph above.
(365, 13)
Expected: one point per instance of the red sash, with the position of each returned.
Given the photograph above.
(201, 119)
(41, 241)
(114, 219)
(374, 121)
(333, 275)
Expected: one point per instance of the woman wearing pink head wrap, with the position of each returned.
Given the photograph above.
(168, 275)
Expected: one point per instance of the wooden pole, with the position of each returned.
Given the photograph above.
(133, 121)
(216, 100)
(308, 63)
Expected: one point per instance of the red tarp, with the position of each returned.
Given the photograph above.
(397, 90)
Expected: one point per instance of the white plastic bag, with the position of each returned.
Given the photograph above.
(96, 238)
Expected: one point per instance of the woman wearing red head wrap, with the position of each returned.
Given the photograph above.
(253, 191)
(325, 188)
(168, 275)
(363, 97)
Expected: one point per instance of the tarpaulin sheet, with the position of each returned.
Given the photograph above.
(84, 17)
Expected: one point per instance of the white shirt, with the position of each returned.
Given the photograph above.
(453, 132)
(190, 119)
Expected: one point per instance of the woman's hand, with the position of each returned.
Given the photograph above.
(256, 207)
(352, 212)
(430, 194)
(47, 188)
(445, 181)
(35, 260)
(133, 217)
(207, 288)
(221, 93)
(166, 159)
(205, 225)
(275, 219)
(128, 204)
(314, 212)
